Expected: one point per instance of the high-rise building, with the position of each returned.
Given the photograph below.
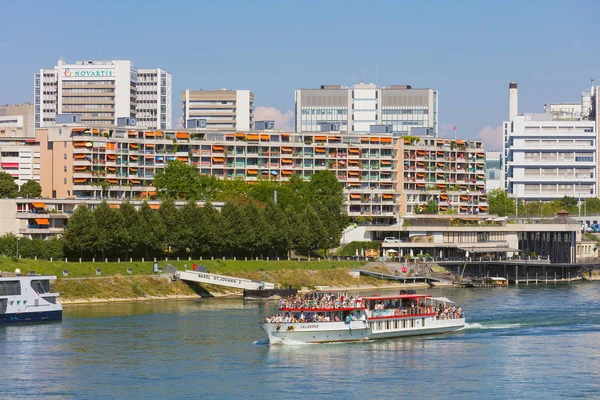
(218, 109)
(16, 120)
(552, 154)
(100, 91)
(154, 98)
(356, 109)
(494, 170)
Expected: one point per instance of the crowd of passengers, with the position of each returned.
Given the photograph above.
(300, 317)
(321, 300)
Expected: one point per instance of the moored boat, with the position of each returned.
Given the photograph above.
(27, 298)
(325, 316)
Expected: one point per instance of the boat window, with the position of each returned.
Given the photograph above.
(10, 288)
(41, 287)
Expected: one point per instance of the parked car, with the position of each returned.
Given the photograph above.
(391, 240)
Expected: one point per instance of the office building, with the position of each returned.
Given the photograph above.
(552, 154)
(153, 109)
(218, 109)
(355, 109)
(16, 120)
(20, 158)
(101, 92)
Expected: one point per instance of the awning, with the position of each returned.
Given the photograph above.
(79, 180)
(133, 146)
(252, 137)
(265, 137)
(385, 162)
(154, 206)
(320, 149)
(149, 144)
(288, 149)
(111, 156)
(182, 158)
(134, 158)
(441, 186)
(78, 129)
(387, 196)
(240, 135)
(355, 196)
(386, 140)
(132, 133)
(286, 172)
(352, 150)
(374, 139)
(460, 142)
(112, 181)
(38, 205)
(182, 135)
(79, 156)
(136, 181)
(252, 172)
(217, 159)
(217, 148)
(286, 160)
(79, 168)
(79, 144)
(42, 221)
(10, 165)
(158, 133)
(488, 249)
(321, 138)
(149, 134)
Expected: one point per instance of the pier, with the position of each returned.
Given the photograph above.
(222, 280)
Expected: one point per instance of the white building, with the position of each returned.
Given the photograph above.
(16, 120)
(552, 154)
(154, 98)
(101, 91)
(20, 158)
(220, 109)
(357, 108)
(494, 170)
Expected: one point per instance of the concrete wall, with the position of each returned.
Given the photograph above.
(8, 221)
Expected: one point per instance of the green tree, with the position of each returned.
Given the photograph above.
(500, 203)
(80, 232)
(278, 228)
(151, 231)
(130, 233)
(8, 188)
(109, 230)
(592, 205)
(192, 220)
(208, 231)
(170, 216)
(182, 181)
(30, 189)
(430, 208)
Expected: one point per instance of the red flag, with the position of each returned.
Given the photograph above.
(454, 128)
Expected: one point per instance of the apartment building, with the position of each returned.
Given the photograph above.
(218, 109)
(16, 120)
(153, 98)
(450, 173)
(101, 92)
(552, 154)
(355, 109)
(375, 170)
(20, 158)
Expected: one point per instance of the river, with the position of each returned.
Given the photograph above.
(522, 342)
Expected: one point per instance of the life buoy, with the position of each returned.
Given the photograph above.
(396, 312)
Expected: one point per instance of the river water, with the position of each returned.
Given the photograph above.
(527, 342)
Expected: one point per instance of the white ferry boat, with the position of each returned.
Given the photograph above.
(27, 298)
(322, 317)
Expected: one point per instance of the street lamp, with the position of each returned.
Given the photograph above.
(17, 247)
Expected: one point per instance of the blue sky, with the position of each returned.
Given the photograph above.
(468, 50)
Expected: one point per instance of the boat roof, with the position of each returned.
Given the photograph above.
(443, 300)
(496, 278)
(319, 310)
(396, 297)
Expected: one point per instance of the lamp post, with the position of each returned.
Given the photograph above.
(17, 247)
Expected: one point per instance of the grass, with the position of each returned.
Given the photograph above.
(228, 267)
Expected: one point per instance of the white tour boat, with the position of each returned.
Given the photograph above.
(325, 316)
(27, 298)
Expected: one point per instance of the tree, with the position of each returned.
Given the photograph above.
(8, 188)
(130, 234)
(171, 219)
(591, 205)
(500, 203)
(182, 181)
(109, 229)
(150, 230)
(80, 232)
(430, 208)
(30, 190)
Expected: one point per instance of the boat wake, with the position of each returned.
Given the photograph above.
(493, 326)
(262, 342)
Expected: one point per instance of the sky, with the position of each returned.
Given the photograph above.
(467, 50)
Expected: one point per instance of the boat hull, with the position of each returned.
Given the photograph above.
(326, 332)
(30, 317)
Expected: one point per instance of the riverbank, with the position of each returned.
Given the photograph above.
(137, 288)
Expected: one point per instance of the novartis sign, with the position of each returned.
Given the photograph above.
(88, 73)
